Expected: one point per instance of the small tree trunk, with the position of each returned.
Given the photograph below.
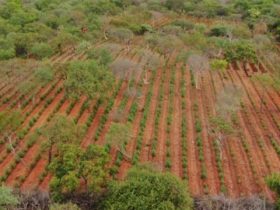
(50, 154)
(146, 78)
(104, 34)
(33, 100)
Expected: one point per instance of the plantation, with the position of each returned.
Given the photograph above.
(137, 104)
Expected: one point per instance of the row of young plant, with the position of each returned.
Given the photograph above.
(107, 111)
(184, 125)
(83, 108)
(217, 146)
(93, 112)
(130, 118)
(30, 143)
(231, 152)
(109, 107)
(8, 89)
(146, 110)
(259, 141)
(23, 96)
(199, 142)
(168, 162)
(24, 131)
(41, 151)
(158, 113)
(42, 98)
(14, 91)
(244, 142)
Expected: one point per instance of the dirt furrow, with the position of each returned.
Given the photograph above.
(176, 140)
(243, 171)
(195, 183)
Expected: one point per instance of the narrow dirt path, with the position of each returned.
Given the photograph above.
(195, 183)
(176, 140)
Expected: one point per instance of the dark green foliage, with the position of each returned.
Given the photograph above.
(218, 31)
(73, 164)
(273, 182)
(41, 50)
(240, 51)
(88, 78)
(148, 189)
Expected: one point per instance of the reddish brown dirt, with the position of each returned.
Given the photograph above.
(75, 111)
(117, 102)
(135, 128)
(145, 152)
(20, 168)
(255, 100)
(162, 135)
(228, 164)
(254, 152)
(91, 131)
(32, 179)
(45, 184)
(243, 171)
(176, 140)
(34, 112)
(195, 182)
(86, 114)
(41, 104)
(213, 182)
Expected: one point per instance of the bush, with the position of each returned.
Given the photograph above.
(218, 31)
(7, 49)
(41, 50)
(145, 188)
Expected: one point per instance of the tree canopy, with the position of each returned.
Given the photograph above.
(145, 188)
(88, 78)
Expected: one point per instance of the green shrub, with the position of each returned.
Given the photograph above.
(41, 50)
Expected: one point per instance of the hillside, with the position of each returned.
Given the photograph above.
(191, 88)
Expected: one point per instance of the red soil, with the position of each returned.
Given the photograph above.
(195, 182)
(176, 140)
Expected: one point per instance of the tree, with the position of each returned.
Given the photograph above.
(7, 49)
(123, 35)
(176, 5)
(227, 104)
(102, 55)
(7, 198)
(42, 75)
(241, 51)
(228, 101)
(118, 136)
(125, 69)
(145, 188)
(41, 50)
(151, 61)
(9, 122)
(198, 64)
(59, 131)
(73, 164)
(273, 182)
(88, 78)
(219, 65)
(63, 41)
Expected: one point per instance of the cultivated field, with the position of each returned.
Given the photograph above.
(170, 118)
